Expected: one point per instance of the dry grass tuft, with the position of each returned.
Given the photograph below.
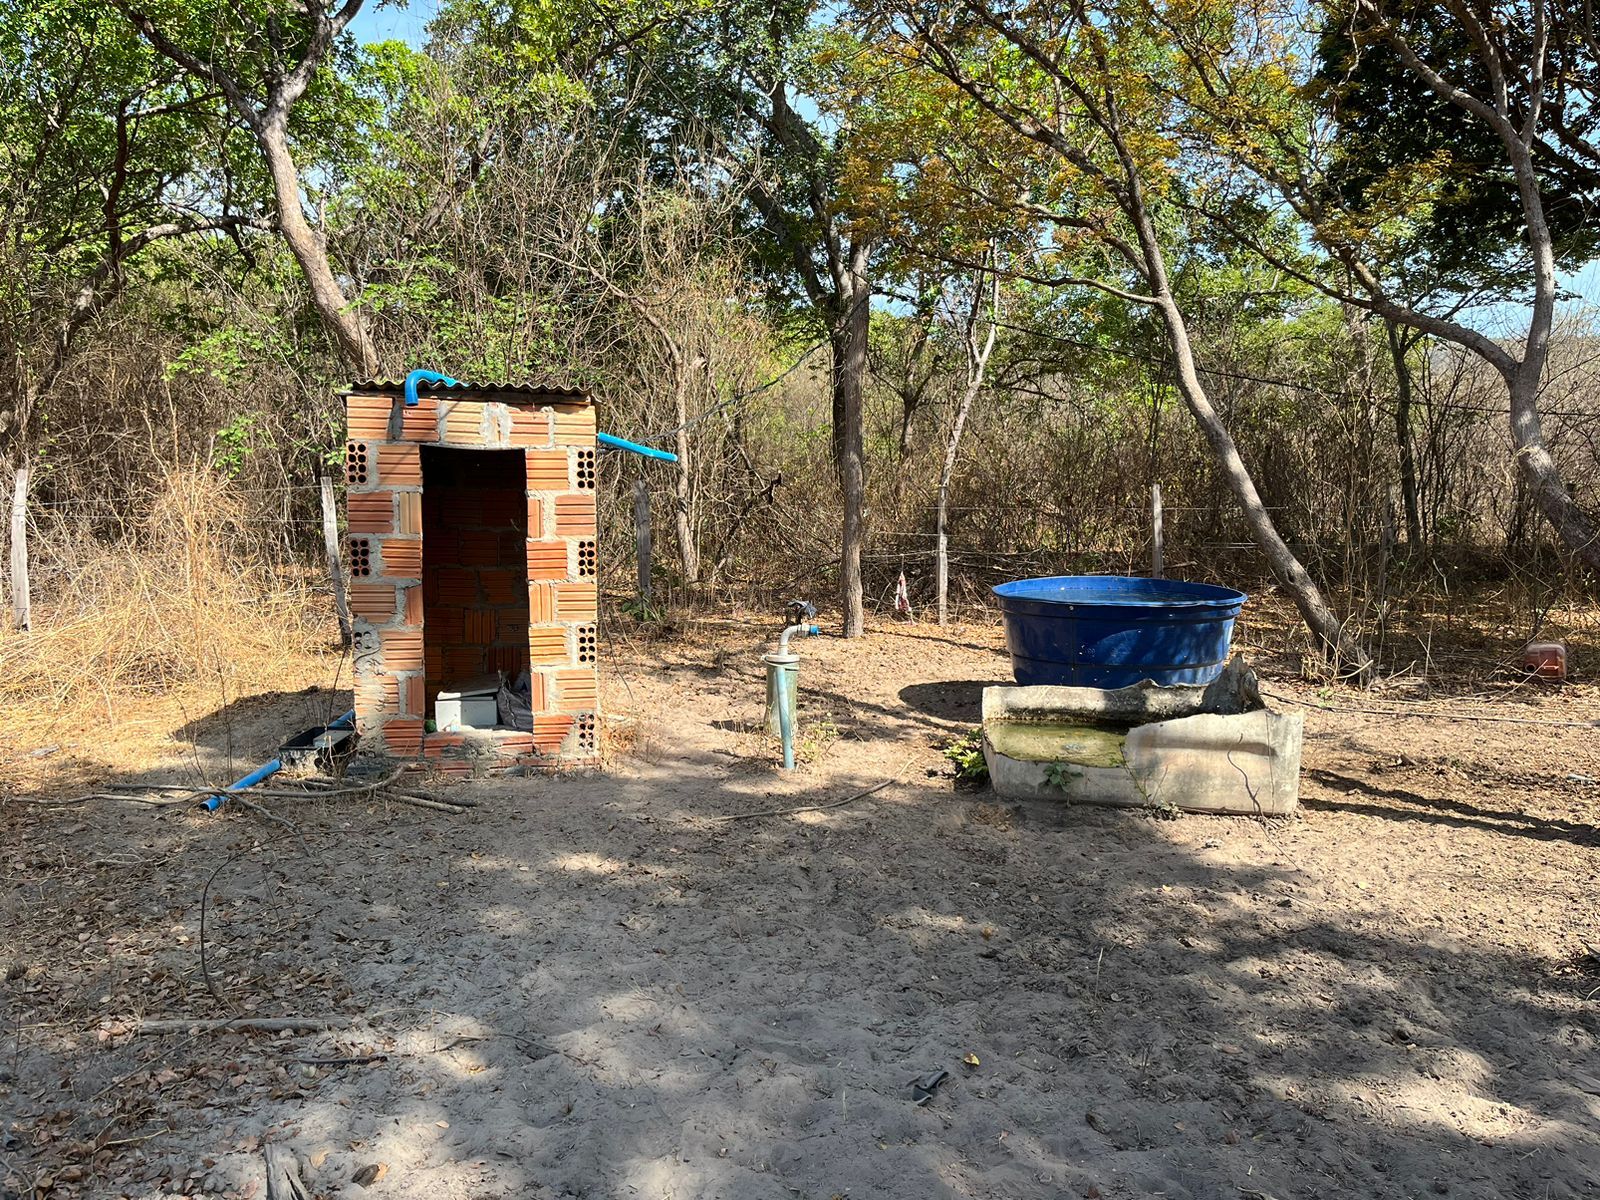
(186, 597)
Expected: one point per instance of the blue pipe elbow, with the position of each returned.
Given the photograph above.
(417, 377)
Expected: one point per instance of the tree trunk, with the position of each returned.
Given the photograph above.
(1335, 643)
(1398, 345)
(1575, 527)
(977, 362)
(688, 550)
(1539, 472)
(1337, 646)
(849, 339)
(306, 244)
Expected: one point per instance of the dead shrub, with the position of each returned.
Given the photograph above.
(185, 595)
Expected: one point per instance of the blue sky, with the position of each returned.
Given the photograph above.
(408, 22)
(405, 22)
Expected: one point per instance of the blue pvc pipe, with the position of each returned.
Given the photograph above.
(616, 443)
(417, 377)
(268, 769)
(265, 770)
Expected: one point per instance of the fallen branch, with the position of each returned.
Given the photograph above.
(161, 1026)
(358, 1061)
(284, 1179)
(788, 812)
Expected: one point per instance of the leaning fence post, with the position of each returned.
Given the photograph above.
(21, 601)
(1157, 540)
(330, 540)
(641, 536)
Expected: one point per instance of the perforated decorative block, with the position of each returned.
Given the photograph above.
(360, 557)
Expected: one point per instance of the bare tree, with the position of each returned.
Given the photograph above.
(1528, 55)
(977, 363)
(1087, 113)
(293, 64)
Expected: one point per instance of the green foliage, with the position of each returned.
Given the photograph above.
(642, 611)
(966, 753)
(236, 441)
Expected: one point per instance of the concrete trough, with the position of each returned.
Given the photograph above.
(1211, 749)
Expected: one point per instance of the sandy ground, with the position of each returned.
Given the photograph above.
(593, 987)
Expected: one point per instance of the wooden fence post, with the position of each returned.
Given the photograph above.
(641, 537)
(1157, 536)
(21, 600)
(330, 539)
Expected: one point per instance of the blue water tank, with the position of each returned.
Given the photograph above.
(1111, 631)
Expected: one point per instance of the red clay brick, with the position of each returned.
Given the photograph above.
(367, 416)
(414, 696)
(402, 649)
(578, 689)
(479, 630)
(402, 736)
(445, 624)
(541, 603)
(420, 423)
(574, 426)
(547, 560)
(479, 548)
(509, 660)
(377, 693)
(514, 743)
(548, 644)
(539, 697)
(547, 471)
(550, 730)
(503, 508)
(412, 605)
(535, 528)
(530, 427)
(575, 515)
(375, 602)
(434, 745)
(576, 601)
(410, 513)
(402, 557)
(456, 585)
(399, 465)
(370, 512)
(463, 422)
(500, 586)
(462, 663)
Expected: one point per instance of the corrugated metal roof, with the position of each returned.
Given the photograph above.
(463, 386)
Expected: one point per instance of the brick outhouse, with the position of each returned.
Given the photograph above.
(472, 552)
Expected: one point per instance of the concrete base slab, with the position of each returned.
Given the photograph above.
(1246, 763)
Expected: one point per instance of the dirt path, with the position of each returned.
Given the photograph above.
(592, 987)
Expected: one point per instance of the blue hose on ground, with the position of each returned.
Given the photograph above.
(417, 377)
(268, 769)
